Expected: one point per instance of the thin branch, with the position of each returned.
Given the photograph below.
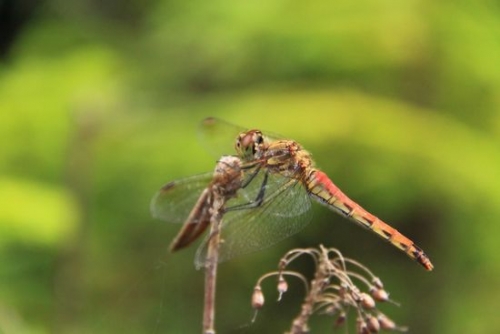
(211, 269)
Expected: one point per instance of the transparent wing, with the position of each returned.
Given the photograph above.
(284, 212)
(218, 136)
(175, 200)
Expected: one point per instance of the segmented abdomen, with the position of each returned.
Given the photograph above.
(322, 189)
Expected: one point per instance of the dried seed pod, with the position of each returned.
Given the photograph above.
(257, 298)
(341, 319)
(380, 295)
(373, 324)
(361, 326)
(385, 322)
(282, 286)
(366, 300)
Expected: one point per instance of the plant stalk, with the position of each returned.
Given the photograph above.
(211, 270)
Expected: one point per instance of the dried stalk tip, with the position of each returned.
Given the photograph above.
(257, 298)
(377, 282)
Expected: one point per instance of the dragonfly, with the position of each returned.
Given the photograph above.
(277, 180)
(249, 221)
(284, 171)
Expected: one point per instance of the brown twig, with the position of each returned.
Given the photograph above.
(211, 266)
(226, 182)
(208, 211)
(318, 284)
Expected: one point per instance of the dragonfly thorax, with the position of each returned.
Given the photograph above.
(287, 157)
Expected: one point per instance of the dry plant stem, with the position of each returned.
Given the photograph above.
(299, 324)
(211, 270)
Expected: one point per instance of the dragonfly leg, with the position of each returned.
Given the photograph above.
(257, 201)
(245, 183)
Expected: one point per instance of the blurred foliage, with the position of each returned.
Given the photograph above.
(100, 100)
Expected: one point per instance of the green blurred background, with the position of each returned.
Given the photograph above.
(100, 101)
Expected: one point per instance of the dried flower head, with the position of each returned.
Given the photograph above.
(339, 284)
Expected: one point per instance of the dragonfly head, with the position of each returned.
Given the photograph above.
(248, 144)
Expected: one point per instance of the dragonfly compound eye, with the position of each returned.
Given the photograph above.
(245, 144)
(259, 139)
